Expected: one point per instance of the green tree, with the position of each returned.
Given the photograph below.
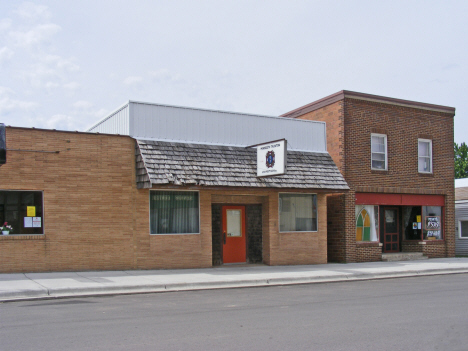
(461, 160)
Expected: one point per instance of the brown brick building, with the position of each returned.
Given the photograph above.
(397, 158)
(95, 201)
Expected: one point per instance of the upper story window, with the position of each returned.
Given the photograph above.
(379, 152)
(424, 156)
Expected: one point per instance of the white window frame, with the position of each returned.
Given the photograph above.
(170, 190)
(430, 154)
(386, 152)
(460, 228)
(279, 213)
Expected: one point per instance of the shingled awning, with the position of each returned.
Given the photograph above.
(161, 163)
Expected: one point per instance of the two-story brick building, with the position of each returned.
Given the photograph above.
(397, 158)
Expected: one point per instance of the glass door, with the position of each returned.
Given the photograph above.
(391, 231)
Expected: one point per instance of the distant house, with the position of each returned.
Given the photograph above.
(461, 217)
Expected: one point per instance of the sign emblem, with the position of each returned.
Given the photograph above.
(270, 159)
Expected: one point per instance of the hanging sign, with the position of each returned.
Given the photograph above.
(271, 158)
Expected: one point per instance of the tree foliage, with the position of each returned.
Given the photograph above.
(461, 160)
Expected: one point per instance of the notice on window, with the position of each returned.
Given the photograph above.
(415, 225)
(432, 223)
(28, 222)
(418, 219)
(36, 222)
(31, 211)
(433, 234)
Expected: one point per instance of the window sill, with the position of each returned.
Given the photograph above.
(432, 242)
(368, 244)
(22, 237)
(422, 174)
(166, 234)
(379, 171)
(299, 232)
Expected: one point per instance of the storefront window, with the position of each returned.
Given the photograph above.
(412, 222)
(298, 212)
(174, 212)
(432, 222)
(22, 210)
(367, 223)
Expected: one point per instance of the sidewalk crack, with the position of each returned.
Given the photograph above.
(47, 289)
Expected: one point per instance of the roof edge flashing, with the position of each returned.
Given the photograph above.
(217, 144)
(347, 94)
(211, 110)
(108, 116)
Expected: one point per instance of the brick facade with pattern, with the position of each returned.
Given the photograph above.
(350, 122)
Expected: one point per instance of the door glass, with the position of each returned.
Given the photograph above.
(390, 221)
(233, 222)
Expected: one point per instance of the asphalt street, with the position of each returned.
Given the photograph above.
(422, 313)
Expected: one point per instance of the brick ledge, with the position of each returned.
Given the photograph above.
(22, 237)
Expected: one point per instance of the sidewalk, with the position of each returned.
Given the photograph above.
(20, 286)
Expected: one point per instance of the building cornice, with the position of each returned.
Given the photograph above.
(346, 94)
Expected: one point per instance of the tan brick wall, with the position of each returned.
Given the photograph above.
(194, 250)
(96, 219)
(87, 188)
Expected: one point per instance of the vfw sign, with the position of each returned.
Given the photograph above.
(271, 158)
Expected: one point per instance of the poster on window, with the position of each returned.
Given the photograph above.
(432, 223)
(36, 222)
(28, 222)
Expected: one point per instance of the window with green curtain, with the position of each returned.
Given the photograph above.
(174, 212)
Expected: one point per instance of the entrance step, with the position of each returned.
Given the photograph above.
(403, 256)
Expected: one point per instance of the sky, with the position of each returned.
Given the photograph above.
(67, 64)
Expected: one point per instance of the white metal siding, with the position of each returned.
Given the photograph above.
(461, 245)
(178, 124)
(116, 123)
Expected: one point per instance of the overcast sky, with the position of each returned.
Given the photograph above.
(66, 64)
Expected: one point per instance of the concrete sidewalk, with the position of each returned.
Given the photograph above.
(67, 284)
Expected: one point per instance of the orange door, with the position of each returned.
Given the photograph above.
(233, 234)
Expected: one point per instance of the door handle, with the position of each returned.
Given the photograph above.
(224, 236)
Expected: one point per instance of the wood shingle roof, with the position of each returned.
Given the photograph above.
(214, 165)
